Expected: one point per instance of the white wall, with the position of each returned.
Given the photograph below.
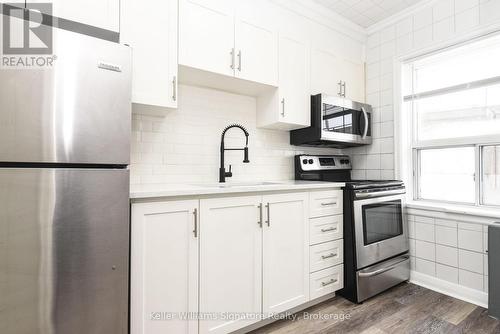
(447, 255)
(434, 25)
(183, 147)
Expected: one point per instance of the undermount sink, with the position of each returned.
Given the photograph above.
(242, 184)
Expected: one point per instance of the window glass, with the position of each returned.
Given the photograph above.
(473, 62)
(447, 174)
(469, 113)
(491, 175)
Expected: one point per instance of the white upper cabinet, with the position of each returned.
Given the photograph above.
(215, 39)
(325, 73)
(294, 82)
(164, 266)
(230, 261)
(206, 35)
(353, 77)
(104, 14)
(150, 28)
(285, 249)
(256, 50)
(288, 107)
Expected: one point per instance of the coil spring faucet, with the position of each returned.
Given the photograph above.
(222, 171)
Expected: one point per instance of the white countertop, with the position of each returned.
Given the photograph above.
(138, 192)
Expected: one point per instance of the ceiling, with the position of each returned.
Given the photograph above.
(366, 12)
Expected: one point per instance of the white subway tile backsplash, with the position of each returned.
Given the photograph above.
(386, 145)
(470, 227)
(387, 161)
(183, 146)
(386, 174)
(423, 219)
(387, 34)
(425, 250)
(443, 9)
(424, 232)
(422, 19)
(373, 40)
(404, 44)
(386, 114)
(489, 12)
(461, 5)
(470, 261)
(447, 273)
(447, 236)
(386, 66)
(412, 247)
(447, 223)
(447, 255)
(444, 29)
(423, 37)
(425, 267)
(404, 27)
(470, 240)
(373, 174)
(373, 161)
(386, 98)
(388, 49)
(467, 20)
(386, 129)
(470, 280)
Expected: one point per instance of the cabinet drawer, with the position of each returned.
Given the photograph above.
(325, 229)
(325, 203)
(326, 255)
(326, 281)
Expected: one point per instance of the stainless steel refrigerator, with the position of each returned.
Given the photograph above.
(64, 191)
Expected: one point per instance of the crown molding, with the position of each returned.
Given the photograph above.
(324, 16)
(399, 16)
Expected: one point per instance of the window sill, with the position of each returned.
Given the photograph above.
(489, 215)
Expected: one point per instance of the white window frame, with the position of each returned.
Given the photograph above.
(409, 147)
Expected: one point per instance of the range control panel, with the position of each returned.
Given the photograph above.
(324, 162)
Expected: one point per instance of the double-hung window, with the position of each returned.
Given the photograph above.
(452, 101)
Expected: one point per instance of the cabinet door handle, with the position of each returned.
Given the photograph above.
(174, 88)
(232, 58)
(239, 60)
(329, 282)
(195, 230)
(283, 107)
(328, 204)
(343, 91)
(260, 215)
(328, 229)
(324, 257)
(268, 221)
(340, 88)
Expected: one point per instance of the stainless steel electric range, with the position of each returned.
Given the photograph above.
(376, 246)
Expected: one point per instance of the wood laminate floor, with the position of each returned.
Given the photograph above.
(406, 308)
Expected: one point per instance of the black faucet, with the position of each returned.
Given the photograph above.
(222, 171)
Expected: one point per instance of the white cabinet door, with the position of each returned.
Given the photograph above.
(206, 35)
(285, 255)
(104, 14)
(256, 53)
(326, 73)
(353, 74)
(230, 261)
(150, 28)
(164, 267)
(294, 82)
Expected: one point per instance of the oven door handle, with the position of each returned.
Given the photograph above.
(383, 270)
(365, 115)
(380, 193)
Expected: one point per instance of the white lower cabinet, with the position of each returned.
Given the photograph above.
(285, 252)
(164, 267)
(230, 260)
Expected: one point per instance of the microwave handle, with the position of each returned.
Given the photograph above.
(365, 115)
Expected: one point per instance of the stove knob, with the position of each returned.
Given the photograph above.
(304, 161)
(311, 161)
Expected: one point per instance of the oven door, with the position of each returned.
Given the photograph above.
(380, 228)
(345, 121)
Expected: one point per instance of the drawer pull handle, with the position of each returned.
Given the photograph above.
(329, 204)
(329, 282)
(324, 257)
(328, 229)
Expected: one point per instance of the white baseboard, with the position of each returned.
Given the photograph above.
(476, 297)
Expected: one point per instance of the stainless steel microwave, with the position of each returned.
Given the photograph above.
(335, 122)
